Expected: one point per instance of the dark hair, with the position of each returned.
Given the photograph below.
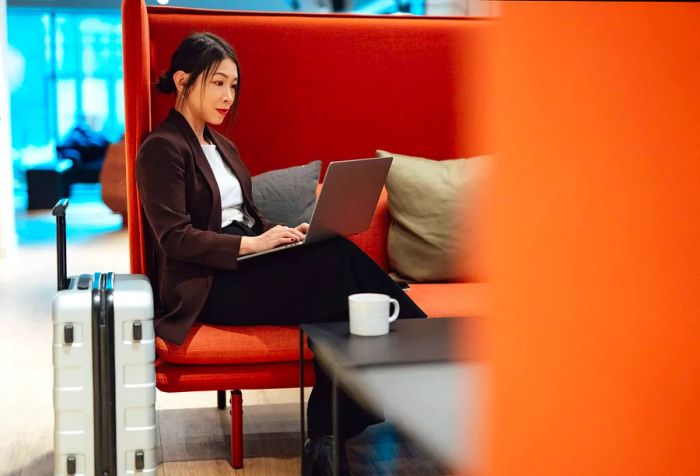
(199, 53)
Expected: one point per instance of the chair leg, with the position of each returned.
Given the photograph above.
(221, 399)
(236, 429)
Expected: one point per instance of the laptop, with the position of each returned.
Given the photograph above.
(347, 202)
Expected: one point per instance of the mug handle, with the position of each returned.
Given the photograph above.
(395, 315)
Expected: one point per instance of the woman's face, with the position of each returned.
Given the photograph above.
(211, 98)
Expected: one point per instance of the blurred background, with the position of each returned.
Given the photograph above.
(66, 109)
(594, 220)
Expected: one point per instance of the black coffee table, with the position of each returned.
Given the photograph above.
(420, 375)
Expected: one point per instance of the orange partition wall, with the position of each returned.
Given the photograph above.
(595, 240)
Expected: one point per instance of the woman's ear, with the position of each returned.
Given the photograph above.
(180, 79)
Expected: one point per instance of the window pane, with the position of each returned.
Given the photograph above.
(95, 102)
(65, 94)
(29, 78)
(67, 45)
(101, 44)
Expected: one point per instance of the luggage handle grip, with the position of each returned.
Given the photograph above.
(59, 211)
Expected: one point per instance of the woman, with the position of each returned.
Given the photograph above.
(196, 196)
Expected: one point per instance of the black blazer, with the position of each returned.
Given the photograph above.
(182, 207)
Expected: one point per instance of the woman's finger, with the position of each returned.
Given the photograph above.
(287, 236)
(296, 233)
(284, 241)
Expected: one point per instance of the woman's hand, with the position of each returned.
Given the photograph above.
(303, 228)
(272, 238)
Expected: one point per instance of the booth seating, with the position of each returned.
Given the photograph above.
(328, 87)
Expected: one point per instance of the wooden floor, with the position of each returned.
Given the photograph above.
(193, 434)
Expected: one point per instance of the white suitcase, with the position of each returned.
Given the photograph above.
(104, 375)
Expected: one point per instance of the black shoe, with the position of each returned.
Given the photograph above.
(317, 458)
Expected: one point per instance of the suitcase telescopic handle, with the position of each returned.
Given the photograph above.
(59, 211)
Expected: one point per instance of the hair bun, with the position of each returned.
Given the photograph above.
(166, 84)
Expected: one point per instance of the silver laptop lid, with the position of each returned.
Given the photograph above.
(351, 190)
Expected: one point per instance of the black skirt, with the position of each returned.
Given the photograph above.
(304, 284)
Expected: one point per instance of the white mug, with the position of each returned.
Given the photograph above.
(369, 313)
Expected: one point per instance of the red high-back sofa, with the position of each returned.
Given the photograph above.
(328, 87)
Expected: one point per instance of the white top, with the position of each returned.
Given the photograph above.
(229, 187)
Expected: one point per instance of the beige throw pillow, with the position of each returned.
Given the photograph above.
(428, 202)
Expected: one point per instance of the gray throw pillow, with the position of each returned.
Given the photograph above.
(287, 196)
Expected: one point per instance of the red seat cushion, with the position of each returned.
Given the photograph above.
(206, 344)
